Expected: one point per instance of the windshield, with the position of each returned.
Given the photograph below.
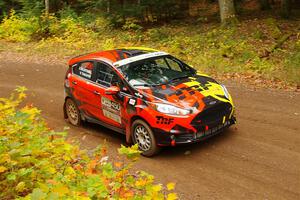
(156, 71)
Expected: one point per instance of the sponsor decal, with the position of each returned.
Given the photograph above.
(110, 104)
(112, 116)
(132, 102)
(164, 120)
(85, 72)
(111, 109)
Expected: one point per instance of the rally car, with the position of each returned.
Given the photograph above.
(150, 96)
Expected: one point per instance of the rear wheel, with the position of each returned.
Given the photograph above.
(73, 113)
(144, 137)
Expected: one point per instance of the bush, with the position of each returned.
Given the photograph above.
(38, 163)
(292, 64)
(68, 33)
(16, 29)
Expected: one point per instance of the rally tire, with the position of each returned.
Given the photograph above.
(73, 113)
(144, 137)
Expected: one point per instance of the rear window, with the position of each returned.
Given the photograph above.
(84, 69)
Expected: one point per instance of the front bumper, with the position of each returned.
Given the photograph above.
(169, 139)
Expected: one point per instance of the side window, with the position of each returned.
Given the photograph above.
(162, 63)
(84, 69)
(106, 76)
(174, 65)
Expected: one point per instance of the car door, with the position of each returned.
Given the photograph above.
(84, 91)
(111, 106)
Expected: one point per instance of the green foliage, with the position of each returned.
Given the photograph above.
(67, 12)
(31, 8)
(131, 153)
(274, 29)
(160, 34)
(17, 29)
(212, 50)
(131, 24)
(69, 33)
(292, 64)
(258, 34)
(38, 163)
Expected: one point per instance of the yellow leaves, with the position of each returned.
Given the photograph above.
(5, 158)
(171, 186)
(21, 91)
(20, 187)
(66, 157)
(31, 111)
(172, 196)
(52, 170)
(141, 183)
(156, 188)
(70, 172)
(22, 96)
(2, 169)
(42, 168)
(61, 190)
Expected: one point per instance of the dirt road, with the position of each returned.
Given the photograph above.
(259, 158)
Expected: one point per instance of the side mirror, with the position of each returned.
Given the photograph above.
(112, 90)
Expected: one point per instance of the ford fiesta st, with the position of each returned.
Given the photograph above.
(150, 96)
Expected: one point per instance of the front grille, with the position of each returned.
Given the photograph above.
(212, 116)
(213, 130)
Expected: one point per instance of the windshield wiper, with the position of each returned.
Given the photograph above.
(179, 77)
(144, 84)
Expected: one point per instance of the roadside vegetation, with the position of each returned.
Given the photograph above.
(38, 163)
(266, 46)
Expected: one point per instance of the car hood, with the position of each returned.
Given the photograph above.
(195, 92)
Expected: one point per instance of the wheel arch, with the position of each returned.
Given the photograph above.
(154, 148)
(64, 108)
(129, 132)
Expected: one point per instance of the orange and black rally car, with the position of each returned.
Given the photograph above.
(150, 96)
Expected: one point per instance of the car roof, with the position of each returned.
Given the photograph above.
(113, 56)
(139, 57)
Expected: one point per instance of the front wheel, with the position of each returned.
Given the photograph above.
(144, 137)
(72, 112)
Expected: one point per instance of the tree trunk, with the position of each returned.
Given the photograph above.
(264, 4)
(184, 7)
(286, 8)
(47, 7)
(108, 6)
(227, 12)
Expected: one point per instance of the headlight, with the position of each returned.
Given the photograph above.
(169, 109)
(225, 91)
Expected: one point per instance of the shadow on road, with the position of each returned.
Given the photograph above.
(196, 148)
(167, 152)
